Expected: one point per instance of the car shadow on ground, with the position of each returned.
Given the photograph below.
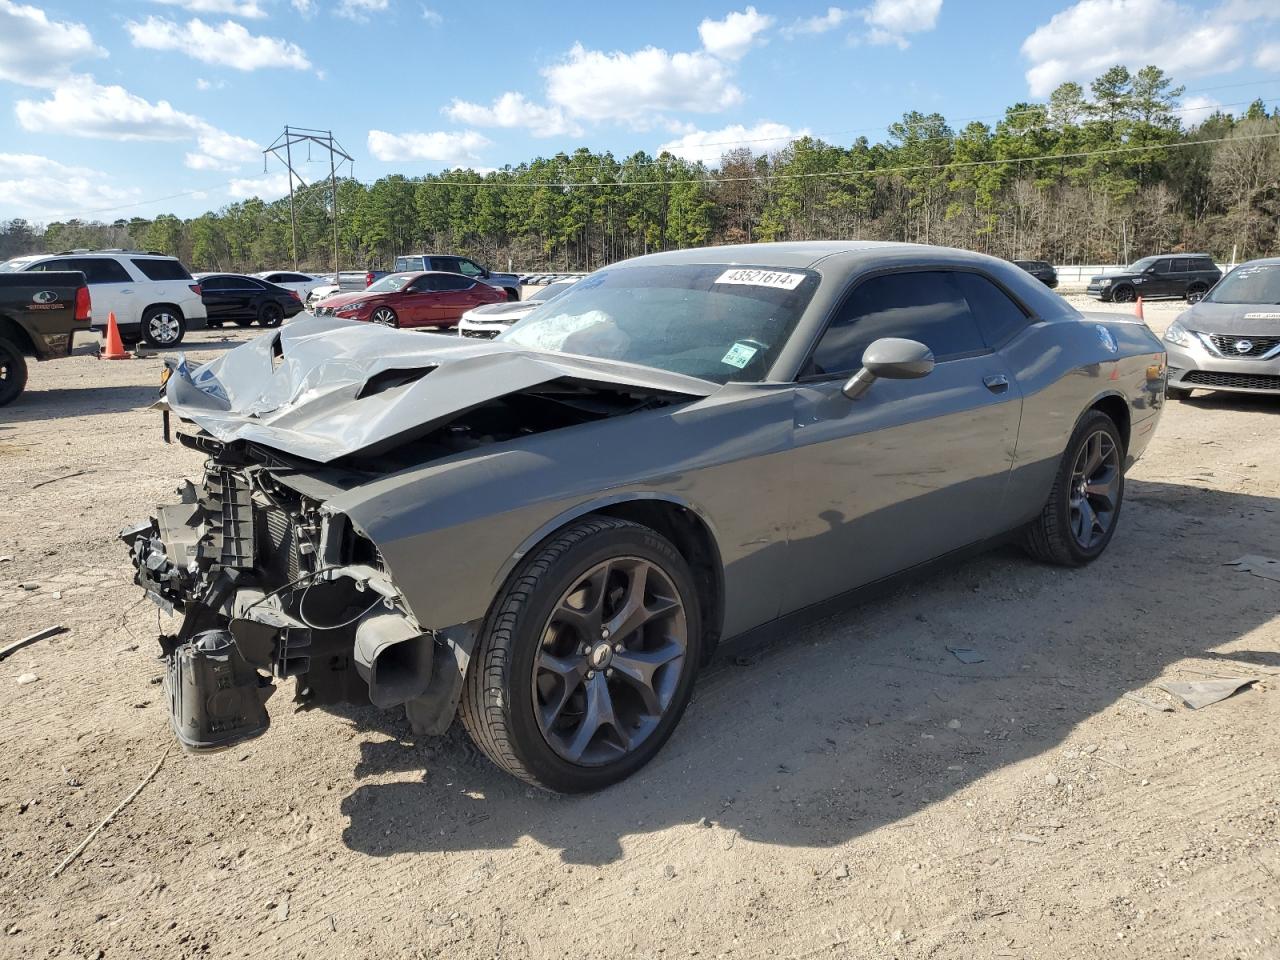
(37, 404)
(1221, 400)
(864, 719)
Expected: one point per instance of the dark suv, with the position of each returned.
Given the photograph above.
(1042, 271)
(1183, 275)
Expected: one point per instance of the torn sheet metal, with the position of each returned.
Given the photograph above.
(323, 388)
(1203, 693)
(1264, 567)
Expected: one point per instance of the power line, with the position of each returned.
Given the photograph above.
(872, 172)
(1039, 108)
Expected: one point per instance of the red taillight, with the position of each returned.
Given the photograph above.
(368, 278)
(297, 296)
(84, 306)
(195, 288)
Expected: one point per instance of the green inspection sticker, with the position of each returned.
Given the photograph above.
(739, 355)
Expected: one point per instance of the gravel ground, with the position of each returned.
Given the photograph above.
(852, 791)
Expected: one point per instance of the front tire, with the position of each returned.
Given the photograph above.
(163, 327)
(1080, 518)
(1124, 294)
(1195, 292)
(13, 372)
(587, 658)
(385, 316)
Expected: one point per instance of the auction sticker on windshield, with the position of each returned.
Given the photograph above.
(739, 355)
(762, 278)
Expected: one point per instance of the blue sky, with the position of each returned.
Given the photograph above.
(139, 107)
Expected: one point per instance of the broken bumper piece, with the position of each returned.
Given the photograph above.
(216, 698)
(269, 587)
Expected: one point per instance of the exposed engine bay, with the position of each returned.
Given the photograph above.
(270, 585)
(271, 581)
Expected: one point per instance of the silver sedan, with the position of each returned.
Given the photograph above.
(1230, 340)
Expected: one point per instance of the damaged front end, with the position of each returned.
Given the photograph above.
(270, 585)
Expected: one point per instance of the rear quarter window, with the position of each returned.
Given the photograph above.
(162, 269)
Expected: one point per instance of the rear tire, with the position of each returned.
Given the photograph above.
(1079, 519)
(512, 295)
(13, 372)
(271, 315)
(551, 697)
(1195, 293)
(163, 327)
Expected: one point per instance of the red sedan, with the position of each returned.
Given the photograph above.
(430, 299)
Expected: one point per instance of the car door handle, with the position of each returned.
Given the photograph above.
(996, 383)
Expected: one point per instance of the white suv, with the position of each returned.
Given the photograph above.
(152, 295)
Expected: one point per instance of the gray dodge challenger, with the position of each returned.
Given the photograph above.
(549, 533)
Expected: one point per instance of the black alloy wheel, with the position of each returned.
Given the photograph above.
(1083, 509)
(587, 659)
(271, 315)
(1123, 294)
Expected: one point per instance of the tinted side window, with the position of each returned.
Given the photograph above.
(52, 266)
(162, 269)
(927, 306)
(277, 278)
(1203, 264)
(292, 278)
(470, 269)
(1163, 266)
(999, 318)
(425, 284)
(102, 270)
(447, 264)
(209, 284)
(455, 283)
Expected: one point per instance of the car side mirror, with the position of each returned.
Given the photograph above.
(892, 358)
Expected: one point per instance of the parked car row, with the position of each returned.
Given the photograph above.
(235, 298)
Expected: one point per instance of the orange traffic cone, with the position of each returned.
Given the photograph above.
(113, 349)
(1137, 310)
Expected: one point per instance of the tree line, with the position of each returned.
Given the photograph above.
(1095, 175)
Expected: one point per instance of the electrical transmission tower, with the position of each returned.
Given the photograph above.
(320, 138)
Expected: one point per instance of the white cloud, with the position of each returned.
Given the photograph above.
(513, 110)
(273, 186)
(892, 20)
(204, 85)
(451, 149)
(819, 24)
(360, 9)
(433, 17)
(37, 51)
(1249, 10)
(219, 150)
(1197, 109)
(248, 9)
(634, 87)
(83, 108)
(35, 186)
(733, 36)
(227, 44)
(1268, 57)
(710, 145)
(304, 7)
(1082, 41)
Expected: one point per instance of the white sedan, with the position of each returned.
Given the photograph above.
(302, 283)
(488, 321)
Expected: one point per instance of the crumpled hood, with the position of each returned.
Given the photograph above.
(323, 388)
(1236, 319)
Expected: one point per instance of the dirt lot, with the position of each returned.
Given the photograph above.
(855, 791)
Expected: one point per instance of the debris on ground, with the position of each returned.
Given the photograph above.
(27, 678)
(1149, 704)
(1264, 567)
(967, 655)
(1202, 693)
(36, 637)
(1026, 838)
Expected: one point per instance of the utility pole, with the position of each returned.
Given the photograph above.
(320, 138)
